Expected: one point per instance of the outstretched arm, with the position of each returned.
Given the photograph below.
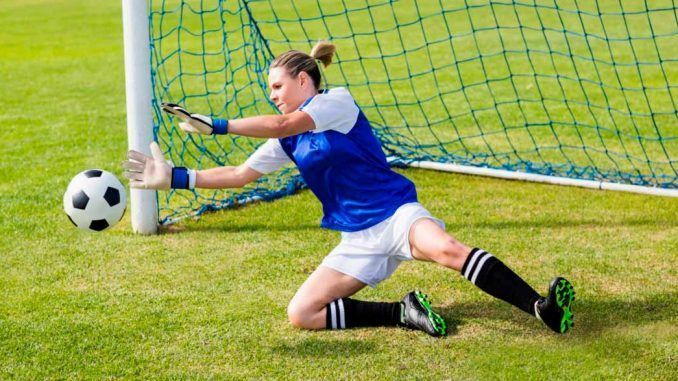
(272, 126)
(225, 177)
(154, 172)
(264, 126)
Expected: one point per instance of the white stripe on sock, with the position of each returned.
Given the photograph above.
(342, 320)
(536, 310)
(480, 266)
(470, 264)
(333, 314)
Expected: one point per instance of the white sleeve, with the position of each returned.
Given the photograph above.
(269, 157)
(334, 110)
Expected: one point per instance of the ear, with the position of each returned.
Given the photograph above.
(303, 78)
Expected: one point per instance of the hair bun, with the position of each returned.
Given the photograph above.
(323, 51)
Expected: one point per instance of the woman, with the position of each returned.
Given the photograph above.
(376, 210)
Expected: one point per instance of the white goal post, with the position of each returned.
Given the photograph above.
(144, 203)
(532, 177)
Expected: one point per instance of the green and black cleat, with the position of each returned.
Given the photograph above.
(555, 310)
(416, 313)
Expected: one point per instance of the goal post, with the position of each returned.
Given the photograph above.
(537, 178)
(144, 209)
(573, 93)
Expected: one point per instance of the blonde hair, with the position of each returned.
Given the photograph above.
(295, 61)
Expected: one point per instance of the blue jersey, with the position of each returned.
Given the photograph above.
(342, 163)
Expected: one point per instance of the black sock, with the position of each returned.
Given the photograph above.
(347, 313)
(493, 277)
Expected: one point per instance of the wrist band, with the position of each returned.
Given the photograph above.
(191, 179)
(219, 127)
(180, 178)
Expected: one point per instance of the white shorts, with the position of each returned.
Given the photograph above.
(372, 255)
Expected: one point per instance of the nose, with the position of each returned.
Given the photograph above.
(273, 97)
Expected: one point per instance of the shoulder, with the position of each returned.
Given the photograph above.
(271, 148)
(333, 109)
(337, 93)
(268, 157)
(330, 96)
(340, 95)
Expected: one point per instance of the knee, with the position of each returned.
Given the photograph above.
(452, 253)
(453, 248)
(298, 315)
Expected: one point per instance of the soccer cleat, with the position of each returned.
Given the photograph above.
(416, 313)
(555, 310)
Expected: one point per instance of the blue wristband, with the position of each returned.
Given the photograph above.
(179, 178)
(219, 127)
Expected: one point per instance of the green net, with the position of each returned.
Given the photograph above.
(577, 89)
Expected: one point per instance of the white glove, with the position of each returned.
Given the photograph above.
(147, 172)
(192, 123)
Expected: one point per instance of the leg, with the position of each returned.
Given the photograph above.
(327, 289)
(308, 307)
(429, 242)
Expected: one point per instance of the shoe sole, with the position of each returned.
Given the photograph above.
(436, 320)
(565, 297)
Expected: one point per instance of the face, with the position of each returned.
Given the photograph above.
(289, 93)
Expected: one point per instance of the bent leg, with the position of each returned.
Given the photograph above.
(308, 307)
(322, 302)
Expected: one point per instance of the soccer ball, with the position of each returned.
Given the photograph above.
(95, 200)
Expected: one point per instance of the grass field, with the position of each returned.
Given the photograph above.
(207, 298)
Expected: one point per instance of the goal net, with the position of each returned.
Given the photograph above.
(574, 89)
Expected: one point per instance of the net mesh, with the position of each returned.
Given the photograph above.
(576, 89)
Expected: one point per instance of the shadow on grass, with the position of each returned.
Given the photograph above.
(592, 316)
(325, 348)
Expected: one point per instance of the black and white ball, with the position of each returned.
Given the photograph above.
(95, 200)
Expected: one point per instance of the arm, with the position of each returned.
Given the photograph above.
(225, 177)
(154, 172)
(272, 126)
(264, 126)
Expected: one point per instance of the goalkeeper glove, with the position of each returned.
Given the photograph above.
(155, 172)
(196, 123)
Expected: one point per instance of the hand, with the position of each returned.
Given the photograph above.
(192, 123)
(145, 172)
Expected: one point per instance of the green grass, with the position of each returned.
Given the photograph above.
(207, 298)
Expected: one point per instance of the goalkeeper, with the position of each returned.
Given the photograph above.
(326, 135)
